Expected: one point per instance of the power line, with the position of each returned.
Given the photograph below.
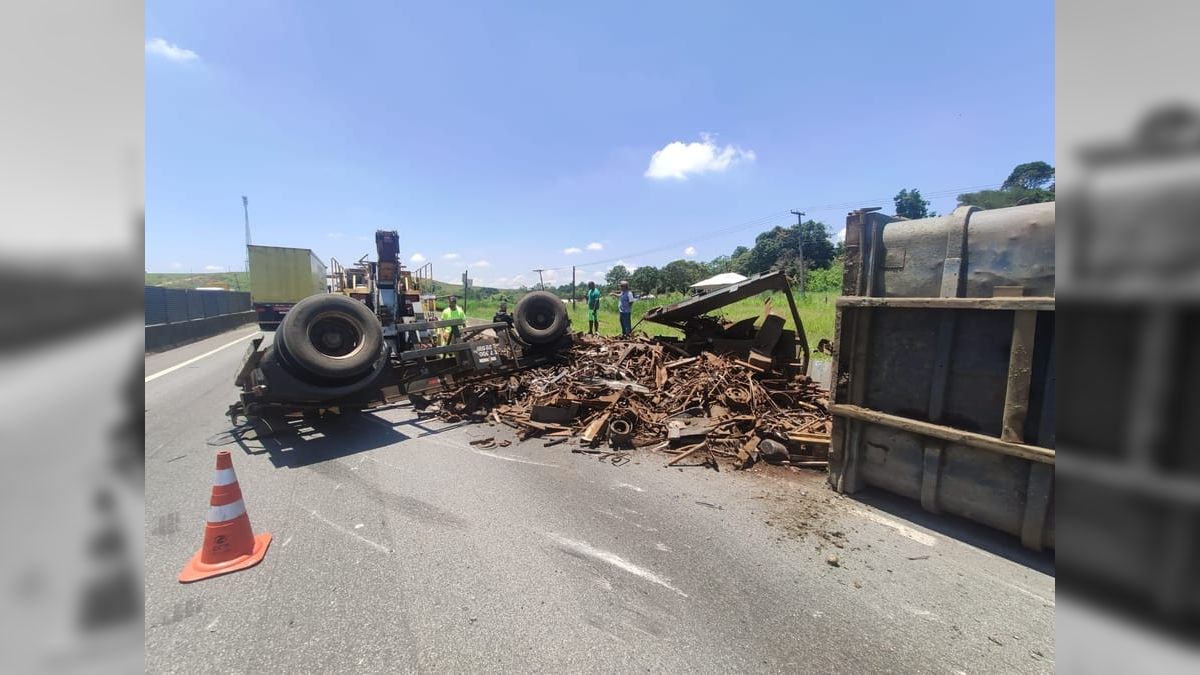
(759, 222)
(708, 235)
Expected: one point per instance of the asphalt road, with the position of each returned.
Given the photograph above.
(399, 547)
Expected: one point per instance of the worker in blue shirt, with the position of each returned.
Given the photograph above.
(625, 308)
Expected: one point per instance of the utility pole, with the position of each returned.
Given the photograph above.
(572, 287)
(246, 212)
(800, 246)
(541, 284)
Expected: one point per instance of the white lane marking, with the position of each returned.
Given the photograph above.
(627, 486)
(460, 446)
(586, 549)
(518, 460)
(193, 360)
(1015, 587)
(904, 530)
(343, 530)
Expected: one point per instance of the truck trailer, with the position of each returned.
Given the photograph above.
(280, 277)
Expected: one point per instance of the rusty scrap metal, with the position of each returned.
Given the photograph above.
(641, 392)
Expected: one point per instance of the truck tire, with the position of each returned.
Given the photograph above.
(540, 318)
(329, 337)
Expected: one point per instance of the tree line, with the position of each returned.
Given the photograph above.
(779, 247)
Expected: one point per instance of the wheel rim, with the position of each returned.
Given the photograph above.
(540, 319)
(335, 336)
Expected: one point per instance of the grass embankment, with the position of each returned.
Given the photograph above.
(234, 281)
(816, 311)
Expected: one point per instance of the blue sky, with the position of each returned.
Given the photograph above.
(501, 136)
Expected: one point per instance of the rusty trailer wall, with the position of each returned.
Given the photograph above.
(944, 370)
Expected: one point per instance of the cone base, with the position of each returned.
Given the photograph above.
(196, 570)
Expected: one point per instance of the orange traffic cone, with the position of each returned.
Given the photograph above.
(229, 543)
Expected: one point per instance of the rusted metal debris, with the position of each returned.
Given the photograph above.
(641, 392)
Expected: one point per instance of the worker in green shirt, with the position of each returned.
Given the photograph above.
(452, 312)
(593, 305)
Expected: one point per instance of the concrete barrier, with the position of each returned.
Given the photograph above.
(167, 335)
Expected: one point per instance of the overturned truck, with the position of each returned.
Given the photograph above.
(333, 353)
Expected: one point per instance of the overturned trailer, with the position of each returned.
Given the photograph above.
(944, 366)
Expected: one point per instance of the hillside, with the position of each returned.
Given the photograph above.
(234, 281)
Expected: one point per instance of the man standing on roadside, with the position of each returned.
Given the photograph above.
(452, 312)
(625, 308)
(593, 305)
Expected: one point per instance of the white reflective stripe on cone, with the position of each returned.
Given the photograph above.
(220, 514)
(225, 477)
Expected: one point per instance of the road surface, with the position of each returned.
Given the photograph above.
(399, 547)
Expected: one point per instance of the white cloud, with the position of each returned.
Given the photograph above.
(841, 235)
(176, 265)
(599, 274)
(572, 250)
(595, 246)
(450, 256)
(518, 279)
(160, 47)
(689, 251)
(678, 160)
(550, 275)
(213, 268)
(416, 257)
(500, 280)
(629, 266)
(481, 263)
(336, 235)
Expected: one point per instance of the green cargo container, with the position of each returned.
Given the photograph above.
(279, 278)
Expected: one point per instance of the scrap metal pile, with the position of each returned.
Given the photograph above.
(614, 395)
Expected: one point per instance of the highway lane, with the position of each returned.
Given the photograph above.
(400, 547)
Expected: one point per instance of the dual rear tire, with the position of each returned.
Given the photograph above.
(540, 318)
(329, 339)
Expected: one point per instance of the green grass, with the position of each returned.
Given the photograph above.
(234, 281)
(816, 312)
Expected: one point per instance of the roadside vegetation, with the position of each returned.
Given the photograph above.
(816, 311)
(233, 281)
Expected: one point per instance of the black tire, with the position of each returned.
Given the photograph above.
(330, 337)
(540, 318)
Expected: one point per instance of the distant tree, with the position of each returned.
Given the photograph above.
(616, 275)
(1029, 183)
(818, 247)
(910, 204)
(778, 248)
(1030, 176)
(720, 264)
(740, 260)
(678, 275)
(765, 253)
(645, 280)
